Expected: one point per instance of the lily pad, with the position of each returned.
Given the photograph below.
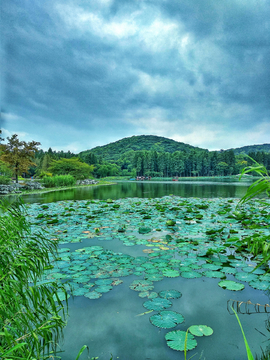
(200, 330)
(231, 285)
(171, 273)
(166, 319)
(93, 295)
(157, 304)
(170, 294)
(176, 340)
(191, 274)
(244, 276)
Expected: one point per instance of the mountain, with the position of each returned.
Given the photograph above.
(114, 150)
(252, 148)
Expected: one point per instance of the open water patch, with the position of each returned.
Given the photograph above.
(123, 254)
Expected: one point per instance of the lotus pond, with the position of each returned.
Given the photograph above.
(140, 272)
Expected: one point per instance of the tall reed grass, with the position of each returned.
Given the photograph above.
(58, 181)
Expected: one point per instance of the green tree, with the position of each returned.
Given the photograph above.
(73, 166)
(19, 155)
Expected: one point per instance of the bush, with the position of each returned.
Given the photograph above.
(58, 180)
(4, 180)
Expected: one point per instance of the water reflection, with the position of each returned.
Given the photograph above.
(149, 189)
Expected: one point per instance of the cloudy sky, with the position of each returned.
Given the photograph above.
(76, 74)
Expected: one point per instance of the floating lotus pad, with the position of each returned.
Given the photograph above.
(166, 319)
(93, 295)
(231, 285)
(141, 285)
(200, 330)
(157, 304)
(260, 285)
(214, 274)
(176, 340)
(170, 294)
(191, 274)
(244, 276)
(171, 273)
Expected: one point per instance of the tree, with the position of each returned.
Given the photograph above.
(79, 170)
(18, 154)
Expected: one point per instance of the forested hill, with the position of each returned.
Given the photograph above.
(252, 149)
(113, 151)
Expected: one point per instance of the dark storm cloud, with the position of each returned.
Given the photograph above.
(133, 67)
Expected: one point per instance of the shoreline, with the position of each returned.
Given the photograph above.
(47, 190)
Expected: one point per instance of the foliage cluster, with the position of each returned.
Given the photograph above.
(73, 166)
(31, 314)
(58, 180)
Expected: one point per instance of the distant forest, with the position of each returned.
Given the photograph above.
(157, 157)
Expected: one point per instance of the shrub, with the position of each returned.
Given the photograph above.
(4, 180)
(58, 181)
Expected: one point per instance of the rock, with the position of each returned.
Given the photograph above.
(87, 182)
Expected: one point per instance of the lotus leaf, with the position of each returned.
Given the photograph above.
(250, 269)
(93, 295)
(153, 295)
(103, 288)
(191, 274)
(214, 274)
(80, 291)
(176, 340)
(144, 230)
(157, 304)
(170, 294)
(171, 273)
(260, 285)
(231, 285)
(141, 285)
(243, 276)
(61, 295)
(170, 222)
(144, 294)
(200, 330)
(166, 319)
(154, 277)
(103, 282)
(211, 266)
(229, 270)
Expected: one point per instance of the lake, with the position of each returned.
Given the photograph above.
(147, 189)
(117, 323)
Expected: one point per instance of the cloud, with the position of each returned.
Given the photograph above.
(159, 67)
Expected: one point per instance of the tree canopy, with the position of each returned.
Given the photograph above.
(74, 166)
(19, 155)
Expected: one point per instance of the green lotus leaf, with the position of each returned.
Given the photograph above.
(231, 285)
(200, 330)
(170, 294)
(170, 273)
(117, 282)
(101, 282)
(80, 291)
(81, 279)
(154, 277)
(229, 270)
(93, 295)
(157, 304)
(211, 266)
(191, 274)
(170, 222)
(144, 230)
(250, 269)
(103, 288)
(153, 295)
(244, 276)
(176, 340)
(166, 319)
(141, 285)
(260, 285)
(61, 295)
(214, 274)
(144, 294)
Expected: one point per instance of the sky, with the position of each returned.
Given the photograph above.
(76, 74)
